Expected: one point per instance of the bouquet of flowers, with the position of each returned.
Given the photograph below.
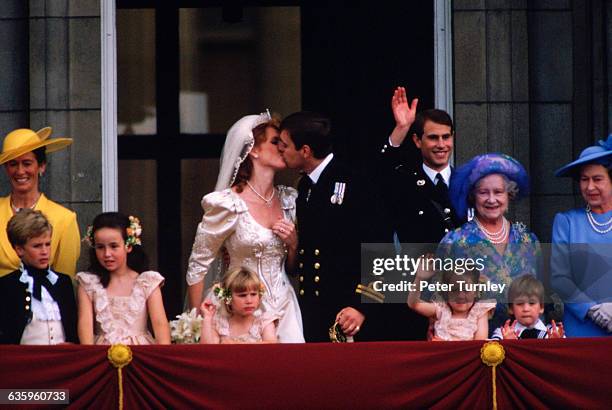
(186, 328)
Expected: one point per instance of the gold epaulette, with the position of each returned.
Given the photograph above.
(369, 292)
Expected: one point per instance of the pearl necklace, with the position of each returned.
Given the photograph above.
(495, 237)
(268, 201)
(15, 209)
(594, 223)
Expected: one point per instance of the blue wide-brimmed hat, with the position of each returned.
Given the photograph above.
(596, 154)
(465, 177)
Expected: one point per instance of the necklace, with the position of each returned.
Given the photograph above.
(268, 201)
(15, 209)
(495, 237)
(594, 224)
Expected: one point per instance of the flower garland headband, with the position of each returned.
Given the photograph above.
(134, 232)
(225, 295)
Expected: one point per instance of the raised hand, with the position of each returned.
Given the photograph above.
(208, 309)
(508, 330)
(555, 331)
(403, 113)
(425, 270)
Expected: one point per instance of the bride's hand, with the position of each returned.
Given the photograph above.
(285, 230)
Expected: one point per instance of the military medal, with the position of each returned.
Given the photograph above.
(334, 197)
(342, 188)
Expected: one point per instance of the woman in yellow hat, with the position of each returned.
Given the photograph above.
(24, 159)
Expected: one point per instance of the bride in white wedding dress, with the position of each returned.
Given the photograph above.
(251, 219)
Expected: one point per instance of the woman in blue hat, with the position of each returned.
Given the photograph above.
(480, 192)
(581, 261)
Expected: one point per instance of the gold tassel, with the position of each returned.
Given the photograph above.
(120, 356)
(492, 354)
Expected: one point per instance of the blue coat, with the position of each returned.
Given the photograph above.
(581, 269)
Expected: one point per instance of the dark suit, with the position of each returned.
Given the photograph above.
(16, 307)
(329, 252)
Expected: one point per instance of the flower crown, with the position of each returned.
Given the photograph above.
(225, 295)
(134, 232)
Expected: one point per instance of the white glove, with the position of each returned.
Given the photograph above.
(601, 314)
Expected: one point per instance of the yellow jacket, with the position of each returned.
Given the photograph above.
(65, 240)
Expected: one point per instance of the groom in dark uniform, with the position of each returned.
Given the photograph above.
(330, 229)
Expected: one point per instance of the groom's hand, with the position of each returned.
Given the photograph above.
(350, 320)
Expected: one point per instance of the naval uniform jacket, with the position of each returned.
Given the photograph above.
(330, 236)
(16, 307)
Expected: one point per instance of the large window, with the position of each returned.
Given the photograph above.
(184, 76)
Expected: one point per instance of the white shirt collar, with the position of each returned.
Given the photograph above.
(431, 173)
(539, 326)
(25, 278)
(316, 173)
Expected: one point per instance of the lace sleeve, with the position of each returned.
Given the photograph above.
(89, 281)
(218, 223)
(150, 281)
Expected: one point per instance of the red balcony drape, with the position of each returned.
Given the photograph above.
(535, 374)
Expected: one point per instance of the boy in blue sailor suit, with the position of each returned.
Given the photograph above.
(335, 213)
(37, 305)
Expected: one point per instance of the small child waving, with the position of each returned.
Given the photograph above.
(37, 305)
(118, 294)
(526, 304)
(458, 315)
(238, 319)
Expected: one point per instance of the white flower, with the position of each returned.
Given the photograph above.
(186, 328)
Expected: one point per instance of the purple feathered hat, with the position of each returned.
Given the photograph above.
(465, 177)
(596, 154)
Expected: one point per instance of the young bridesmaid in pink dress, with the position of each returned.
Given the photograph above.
(457, 314)
(238, 318)
(118, 294)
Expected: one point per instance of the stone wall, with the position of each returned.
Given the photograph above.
(529, 82)
(50, 76)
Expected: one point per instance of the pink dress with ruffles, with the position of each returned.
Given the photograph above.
(254, 335)
(121, 319)
(447, 327)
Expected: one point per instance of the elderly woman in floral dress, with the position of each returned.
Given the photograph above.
(481, 191)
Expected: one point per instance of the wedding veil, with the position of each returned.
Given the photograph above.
(238, 143)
